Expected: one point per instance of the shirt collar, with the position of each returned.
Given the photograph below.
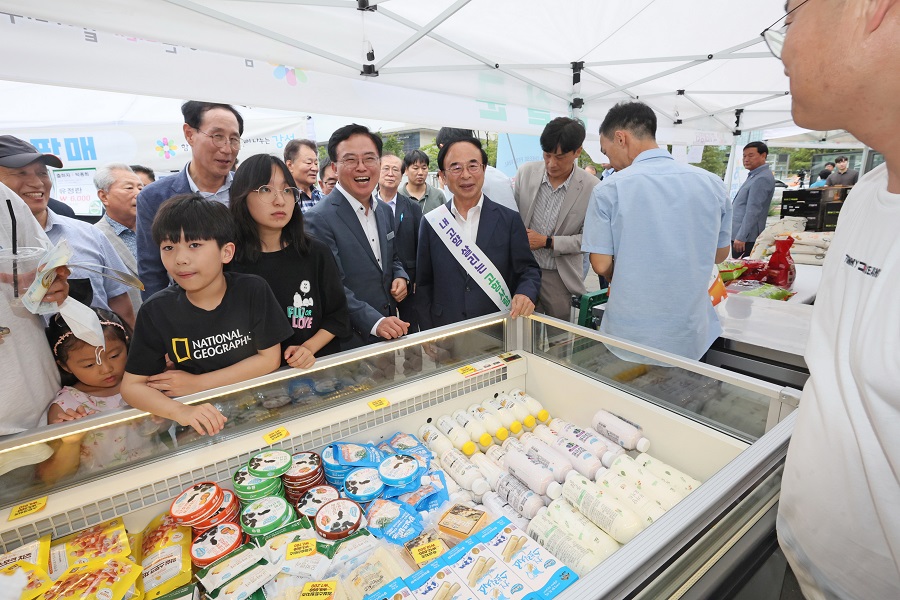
(455, 212)
(392, 201)
(52, 219)
(653, 153)
(759, 169)
(195, 189)
(354, 203)
(116, 226)
(564, 185)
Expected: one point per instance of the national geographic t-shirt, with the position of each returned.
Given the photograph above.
(200, 341)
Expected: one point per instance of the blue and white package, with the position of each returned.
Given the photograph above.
(335, 473)
(393, 522)
(394, 590)
(357, 455)
(430, 495)
(437, 581)
(399, 470)
(392, 491)
(532, 564)
(487, 577)
(407, 443)
(363, 485)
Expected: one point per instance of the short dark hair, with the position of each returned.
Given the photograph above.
(324, 163)
(841, 159)
(145, 170)
(191, 217)
(412, 157)
(344, 133)
(830, 163)
(563, 133)
(635, 117)
(447, 134)
(446, 148)
(293, 147)
(824, 173)
(761, 147)
(193, 111)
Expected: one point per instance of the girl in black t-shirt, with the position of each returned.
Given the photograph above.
(300, 269)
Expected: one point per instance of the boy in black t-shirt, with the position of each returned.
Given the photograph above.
(216, 328)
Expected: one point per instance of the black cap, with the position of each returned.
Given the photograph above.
(15, 153)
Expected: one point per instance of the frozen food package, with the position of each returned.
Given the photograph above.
(247, 583)
(34, 579)
(378, 570)
(107, 578)
(228, 567)
(423, 549)
(36, 553)
(186, 592)
(108, 539)
(487, 576)
(165, 556)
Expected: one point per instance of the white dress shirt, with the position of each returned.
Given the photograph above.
(470, 222)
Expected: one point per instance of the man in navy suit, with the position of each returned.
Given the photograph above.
(359, 230)
(446, 293)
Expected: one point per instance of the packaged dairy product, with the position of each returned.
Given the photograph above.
(499, 508)
(610, 515)
(582, 529)
(534, 407)
(437, 581)
(515, 493)
(497, 455)
(518, 408)
(622, 432)
(553, 460)
(488, 577)
(436, 441)
(648, 483)
(504, 415)
(491, 472)
(460, 521)
(584, 461)
(532, 473)
(587, 438)
(491, 423)
(474, 427)
(551, 535)
(464, 472)
(683, 483)
(623, 490)
(456, 434)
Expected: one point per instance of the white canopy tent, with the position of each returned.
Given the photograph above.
(498, 65)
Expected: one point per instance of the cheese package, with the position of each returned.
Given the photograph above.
(394, 522)
(164, 556)
(351, 551)
(437, 581)
(107, 578)
(394, 590)
(107, 539)
(283, 548)
(228, 567)
(487, 576)
(185, 592)
(460, 521)
(537, 568)
(247, 583)
(377, 571)
(423, 549)
(36, 579)
(36, 553)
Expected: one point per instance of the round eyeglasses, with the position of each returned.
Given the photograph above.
(268, 193)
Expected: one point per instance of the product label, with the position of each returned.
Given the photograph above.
(296, 550)
(364, 483)
(318, 590)
(278, 434)
(270, 463)
(216, 542)
(264, 512)
(314, 498)
(427, 552)
(379, 403)
(400, 468)
(27, 508)
(467, 370)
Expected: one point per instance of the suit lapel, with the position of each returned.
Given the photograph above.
(573, 192)
(486, 224)
(348, 215)
(533, 185)
(383, 221)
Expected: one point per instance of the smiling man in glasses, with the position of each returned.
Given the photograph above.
(839, 512)
(213, 132)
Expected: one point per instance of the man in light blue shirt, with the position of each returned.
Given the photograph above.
(655, 229)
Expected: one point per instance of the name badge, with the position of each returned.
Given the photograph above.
(390, 235)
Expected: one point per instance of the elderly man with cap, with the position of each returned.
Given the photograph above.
(24, 170)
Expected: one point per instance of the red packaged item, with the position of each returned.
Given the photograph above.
(756, 270)
(782, 270)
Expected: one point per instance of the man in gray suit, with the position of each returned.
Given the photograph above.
(360, 232)
(751, 204)
(118, 187)
(552, 197)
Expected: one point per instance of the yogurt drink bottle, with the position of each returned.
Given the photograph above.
(620, 431)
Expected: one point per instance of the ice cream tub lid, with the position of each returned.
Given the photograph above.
(338, 519)
(269, 463)
(328, 458)
(265, 515)
(216, 542)
(245, 482)
(303, 465)
(226, 512)
(275, 490)
(398, 470)
(196, 503)
(364, 484)
(314, 498)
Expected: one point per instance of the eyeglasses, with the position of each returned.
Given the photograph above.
(223, 140)
(353, 161)
(390, 169)
(775, 37)
(268, 193)
(456, 169)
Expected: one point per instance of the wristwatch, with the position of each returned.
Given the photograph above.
(549, 242)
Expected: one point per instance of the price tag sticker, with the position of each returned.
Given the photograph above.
(466, 370)
(427, 552)
(299, 549)
(277, 435)
(379, 403)
(27, 508)
(318, 590)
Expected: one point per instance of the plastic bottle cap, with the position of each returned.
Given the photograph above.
(480, 487)
(601, 472)
(543, 416)
(571, 474)
(485, 440)
(607, 458)
(643, 445)
(529, 422)
(515, 427)
(554, 490)
(469, 448)
(502, 434)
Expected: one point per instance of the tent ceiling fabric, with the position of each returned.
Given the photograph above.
(502, 65)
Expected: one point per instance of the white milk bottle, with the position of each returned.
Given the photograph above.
(607, 513)
(504, 415)
(518, 409)
(532, 473)
(623, 490)
(456, 434)
(436, 441)
(496, 505)
(582, 528)
(491, 472)
(681, 482)
(456, 493)
(555, 460)
(464, 472)
(534, 407)
(648, 483)
(497, 455)
(584, 461)
(491, 424)
(474, 428)
(587, 438)
(515, 493)
(546, 532)
(626, 434)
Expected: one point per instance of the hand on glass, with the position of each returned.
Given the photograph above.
(299, 357)
(175, 383)
(204, 418)
(392, 327)
(521, 306)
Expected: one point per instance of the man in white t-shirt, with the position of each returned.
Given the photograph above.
(839, 514)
